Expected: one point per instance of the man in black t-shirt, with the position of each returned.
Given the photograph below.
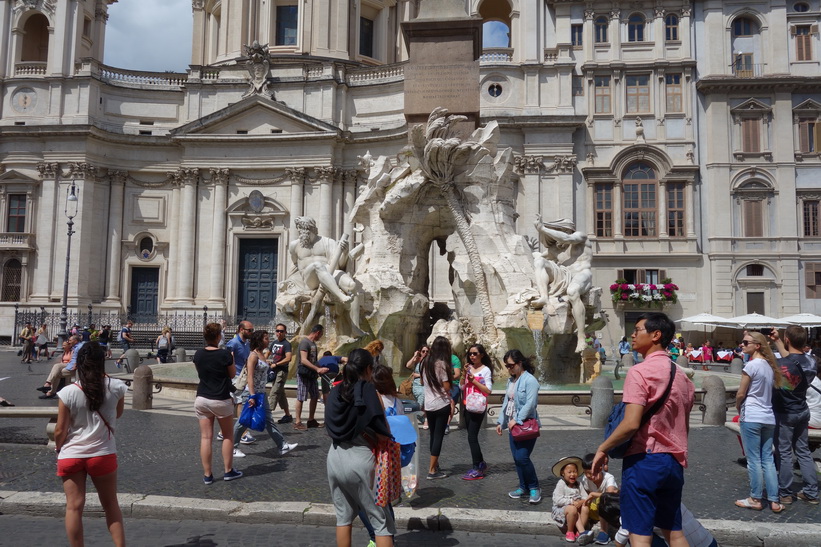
(792, 416)
(281, 354)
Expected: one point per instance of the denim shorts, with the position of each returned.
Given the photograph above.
(651, 493)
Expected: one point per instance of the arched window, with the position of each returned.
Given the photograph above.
(671, 27)
(635, 28)
(744, 26)
(601, 25)
(35, 39)
(496, 25)
(640, 203)
(12, 280)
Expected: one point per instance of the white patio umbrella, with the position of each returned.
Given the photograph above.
(703, 319)
(754, 320)
(806, 320)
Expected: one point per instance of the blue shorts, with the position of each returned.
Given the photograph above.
(651, 493)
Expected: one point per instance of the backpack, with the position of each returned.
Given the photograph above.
(120, 335)
(403, 433)
(617, 415)
(163, 343)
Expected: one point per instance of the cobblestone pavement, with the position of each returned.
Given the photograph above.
(22, 530)
(158, 454)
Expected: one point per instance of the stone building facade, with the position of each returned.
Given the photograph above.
(681, 135)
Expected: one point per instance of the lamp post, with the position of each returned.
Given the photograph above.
(72, 204)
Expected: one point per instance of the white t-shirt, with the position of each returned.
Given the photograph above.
(814, 402)
(484, 375)
(391, 401)
(88, 436)
(758, 405)
(435, 400)
(608, 481)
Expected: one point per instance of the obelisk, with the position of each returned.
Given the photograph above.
(444, 44)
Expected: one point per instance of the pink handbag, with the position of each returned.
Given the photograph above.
(528, 430)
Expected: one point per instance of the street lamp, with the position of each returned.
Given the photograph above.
(72, 204)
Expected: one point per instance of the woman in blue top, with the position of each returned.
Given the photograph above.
(521, 398)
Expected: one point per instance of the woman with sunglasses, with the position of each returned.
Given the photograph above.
(521, 398)
(757, 421)
(478, 378)
(84, 435)
(415, 364)
(437, 379)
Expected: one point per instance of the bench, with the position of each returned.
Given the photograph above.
(814, 435)
(34, 412)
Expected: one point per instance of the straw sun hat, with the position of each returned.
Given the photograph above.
(559, 465)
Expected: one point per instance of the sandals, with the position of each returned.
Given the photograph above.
(776, 507)
(749, 503)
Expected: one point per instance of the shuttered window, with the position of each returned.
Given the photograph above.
(751, 135)
(808, 135)
(802, 34)
(812, 279)
(753, 218)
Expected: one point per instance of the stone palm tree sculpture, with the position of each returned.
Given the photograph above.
(442, 156)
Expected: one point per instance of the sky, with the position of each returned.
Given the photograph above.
(152, 35)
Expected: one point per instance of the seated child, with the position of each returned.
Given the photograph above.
(569, 509)
(596, 485)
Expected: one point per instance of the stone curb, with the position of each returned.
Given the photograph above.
(320, 514)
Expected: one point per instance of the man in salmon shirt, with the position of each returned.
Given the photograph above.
(653, 469)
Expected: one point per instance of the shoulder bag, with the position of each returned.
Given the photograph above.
(529, 429)
(475, 400)
(617, 415)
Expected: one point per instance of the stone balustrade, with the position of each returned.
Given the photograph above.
(16, 241)
(367, 76)
(496, 55)
(140, 78)
(30, 68)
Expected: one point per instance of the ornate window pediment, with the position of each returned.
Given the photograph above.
(807, 109)
(751, 108)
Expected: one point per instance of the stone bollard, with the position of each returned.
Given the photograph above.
(143, 383)
(683, 361)
(132, 360)
(179, 355)
(601, 401)
(715, 400)
(736, 365)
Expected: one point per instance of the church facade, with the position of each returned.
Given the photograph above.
(682, 137)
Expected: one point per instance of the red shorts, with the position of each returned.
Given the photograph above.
(96, 466)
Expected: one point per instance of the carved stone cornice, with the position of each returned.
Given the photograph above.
(350, 176)
(101, 14)
(197, 4)
(183, 177)
(589, 14)
(326, 174)
(262, 182)
(659, 12)
(686, 11)
(48, 170)
(530, 165)
(615, 14)
(809, 196)
(82, 170)
(42, 5)
(564, 164)
(219, 176)
(258, 222)
(118, 177)
(296, 174)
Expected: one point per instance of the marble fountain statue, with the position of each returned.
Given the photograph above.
(460, 195)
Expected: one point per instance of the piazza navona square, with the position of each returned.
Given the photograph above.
(522, 173)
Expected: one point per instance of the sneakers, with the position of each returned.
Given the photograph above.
(208, 480)
(239, 453)
(473, 475)
(313, 424)
(285, 419)
(535, 496)
(804, 497)
(785, 500)
(447, 429)
(247, 439)
(516, 494)
(219, 436)
(287, 448)
(603, 538)
(482, 468)
(232, 474)
(570, 537)
(437, 475)
(586, 538)
(372, 543)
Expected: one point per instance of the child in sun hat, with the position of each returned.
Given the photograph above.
(569, 510)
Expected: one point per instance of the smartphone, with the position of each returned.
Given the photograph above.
(766, 332)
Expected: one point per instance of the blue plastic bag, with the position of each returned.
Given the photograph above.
(253, 417)
(403, 433)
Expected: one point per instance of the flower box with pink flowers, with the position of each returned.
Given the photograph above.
(644, 295)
